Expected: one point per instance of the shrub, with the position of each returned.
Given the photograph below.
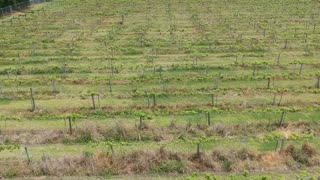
(227, 165)
(171, 166)
(10, 174)
(308, 150)
(302, 155)
(85, 137)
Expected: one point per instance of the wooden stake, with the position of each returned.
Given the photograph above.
(27, 154)
(216, 83)
(274, 99)
(286, 44)
(70, 125)
(269, 80)
(198, 150)
(139, 135)
(93, 102)
(33, 105)
(54, 87)
(99, 105)
(212, 100)
(146, 93)
(280, 99)
(154, 100)
(283, 115)
(254, 70)
(110, 86)
(208, 119)
(173, 121)
(282, 146)
(277, 143)
(278, 59)
(140, 123)
(112, 150)
(300, 70)
(65, 71)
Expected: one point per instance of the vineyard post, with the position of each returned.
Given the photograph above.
(27, 154)
(278, 59)
(111, 65)
(99, 105)
(286, 44)
(300, 70)
(148, 99)
(216, 99)
(65, 70)
(254, 70)
(112, 150)
(93, 101)
(269, 80)
(54, 86)
(277, 143)
(154, 100)
(162, 81)
(140, 127)
(283, 116)
(33, 105)
(110, 86)
(70, 125)
(274, 99)
(139, 135)
(140, 123)
(280, 99)
(198, 150)
(19, 59)
(189, 124)
(282, 145)
(306, 37)
(212, 100)
(160, 72)
(318, 82)
(216, 83)
(33, 51)
(208, 119)
(173, 121)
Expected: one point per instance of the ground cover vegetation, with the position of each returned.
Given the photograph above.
(197, 89)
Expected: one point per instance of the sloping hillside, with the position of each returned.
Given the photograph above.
(135, 89)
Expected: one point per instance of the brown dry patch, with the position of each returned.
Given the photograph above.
(108, 20)
(270, 160)
(144, 162)
(129, 131)
(33, 137)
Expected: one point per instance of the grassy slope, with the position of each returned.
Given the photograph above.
(174, 49)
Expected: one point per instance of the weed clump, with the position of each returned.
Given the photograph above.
(303, 156)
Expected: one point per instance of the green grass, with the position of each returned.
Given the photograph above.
(80, 45)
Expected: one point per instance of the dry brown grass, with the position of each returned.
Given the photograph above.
(144, 162)
(126, 131)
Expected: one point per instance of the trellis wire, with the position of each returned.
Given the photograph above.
(19, 6)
